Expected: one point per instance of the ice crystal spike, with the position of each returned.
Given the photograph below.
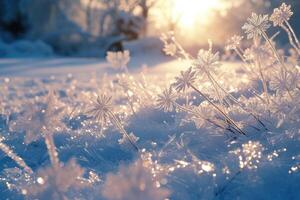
(102, 111)
(234, 42)
(185, 79)
(206, 59)
(165, 101)
(256, 25)
(281, 14)
(10, 153)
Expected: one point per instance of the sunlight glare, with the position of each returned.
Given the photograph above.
(192, 12)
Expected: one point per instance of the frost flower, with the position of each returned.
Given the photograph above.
(185, 79)
(261, 53)
(101, 109)
(40, 119)
(282, 81)
(118, 60)
(133, 183)
(234, 42)
(170, 49)
(165, 101)
(207, 59)
(281, 15)
(256, 25)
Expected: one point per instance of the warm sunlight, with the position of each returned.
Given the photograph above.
(192, 12)
(149, 99)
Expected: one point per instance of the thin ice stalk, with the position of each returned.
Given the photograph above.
(10, 153)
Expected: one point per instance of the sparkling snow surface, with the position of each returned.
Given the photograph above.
(203, 163)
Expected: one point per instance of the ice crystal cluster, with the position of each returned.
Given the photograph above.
(209, 130)
(249, 155)
(256, 25)
(133, 183)
(118, 60)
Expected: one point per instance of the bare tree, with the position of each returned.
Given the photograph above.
(89, 16)
(146, 5)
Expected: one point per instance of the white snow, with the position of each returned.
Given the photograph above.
(200, 163)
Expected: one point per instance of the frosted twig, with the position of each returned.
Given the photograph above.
(10, 153)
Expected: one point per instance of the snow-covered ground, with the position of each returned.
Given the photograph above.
(189, 157)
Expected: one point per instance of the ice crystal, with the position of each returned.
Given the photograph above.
(133, 183)
(9, 152)
(256, 25)
(185, 79)
(124, 81)
(249, 155)
(281, 14)
(118, 60)
(101, 108)
(168, 37)
(201, 114)
(234, 42)
(201, 166)
(294, 57)
(195, 164)
(260, 55)
(294, 168)
(55, 183)
(157, 170)
(206, 59)
(282, 81)
(170, 49)
(165, 101)
(40, 119)
(124, 138)
(102, 111)
(256, 52)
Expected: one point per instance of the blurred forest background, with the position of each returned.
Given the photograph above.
(92, 27)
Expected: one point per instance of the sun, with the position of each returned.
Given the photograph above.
(193, 12)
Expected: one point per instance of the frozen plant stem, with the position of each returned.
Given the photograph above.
(263, 80)
(210, 77)
(278, 59)
(291, 38)
(217, 86)
(230, 121)
(239, 52)
(130, 103)
(224, 187)
(182, 51)
(293, 33)
(10, 153)
(52, 150)
(117, 123)
(265, 36)
(182, 108)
